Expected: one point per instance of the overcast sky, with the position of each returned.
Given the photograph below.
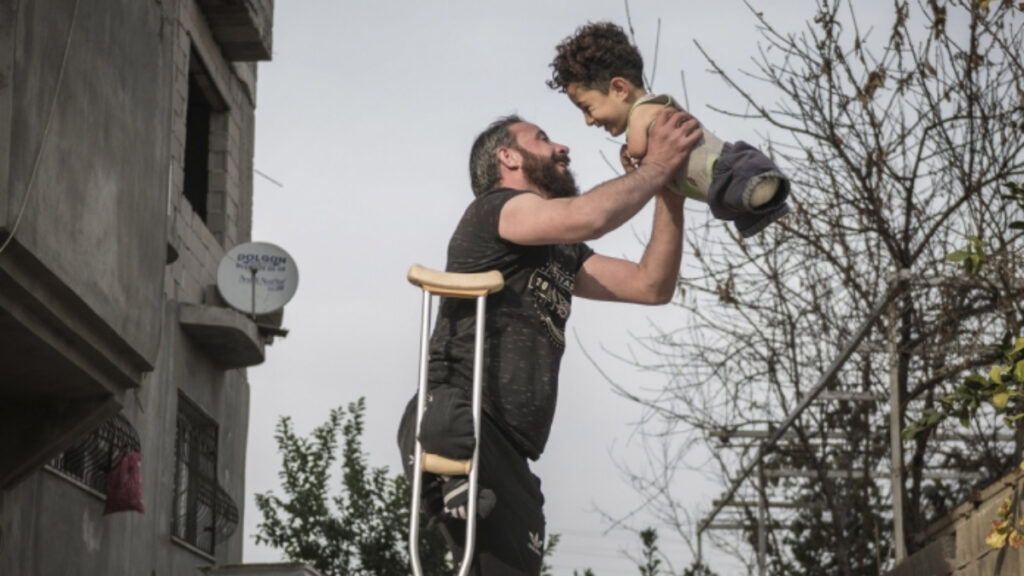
(365, 115)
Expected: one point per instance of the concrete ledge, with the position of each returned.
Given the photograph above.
(244, 29)
(935, 559)
(55, 343)
(228, 337)
(276, 569)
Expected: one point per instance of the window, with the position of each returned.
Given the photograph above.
(204, 513)
(204, 119)
(89, 461)
(195, 474)
(197, 148)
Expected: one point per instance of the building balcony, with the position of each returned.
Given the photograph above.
(242, 28)
(63, 368)
(229, 338)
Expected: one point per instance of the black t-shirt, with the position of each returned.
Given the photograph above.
(525, 334)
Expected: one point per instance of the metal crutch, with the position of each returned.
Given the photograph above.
(450, 285)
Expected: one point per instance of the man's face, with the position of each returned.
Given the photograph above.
(545, 163)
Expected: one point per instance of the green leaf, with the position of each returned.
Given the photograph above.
(974, 265)
(1017, 347)
(975, 382)
(1016, 191)
(999, 400)
(947, 402)
(996, 374)
(957, 256)
(1018, 371)
(930, 417)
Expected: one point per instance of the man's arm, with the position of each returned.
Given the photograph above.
(531, 219)
(653, 279)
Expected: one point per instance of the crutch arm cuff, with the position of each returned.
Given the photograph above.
(456, 285)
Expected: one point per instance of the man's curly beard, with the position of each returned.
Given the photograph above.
(543, 173)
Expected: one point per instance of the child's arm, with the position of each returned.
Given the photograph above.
(640, 121)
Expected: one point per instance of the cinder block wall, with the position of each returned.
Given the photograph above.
(956, 544)
(201, 245)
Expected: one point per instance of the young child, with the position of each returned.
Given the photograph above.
(602, 73)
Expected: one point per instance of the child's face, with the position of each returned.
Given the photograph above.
(609, 111)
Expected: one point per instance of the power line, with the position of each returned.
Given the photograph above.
(265, 176)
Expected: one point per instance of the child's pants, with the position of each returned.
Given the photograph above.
(735, 175)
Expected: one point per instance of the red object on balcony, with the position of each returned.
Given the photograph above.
(124, 484)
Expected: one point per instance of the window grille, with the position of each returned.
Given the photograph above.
(204, 514)
(89, 461)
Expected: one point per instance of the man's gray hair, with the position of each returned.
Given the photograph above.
(484, 174)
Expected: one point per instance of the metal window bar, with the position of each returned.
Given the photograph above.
(204, 513)
(226, 514)
(217, 513)
(90, 460)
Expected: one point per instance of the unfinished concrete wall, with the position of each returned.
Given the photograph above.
(83, 194)
(109, 225)
(956, 544)
(90, 146)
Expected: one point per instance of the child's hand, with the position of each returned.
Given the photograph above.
(628, 164)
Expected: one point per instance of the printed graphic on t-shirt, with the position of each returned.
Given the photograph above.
(536, 544)
(552, 291)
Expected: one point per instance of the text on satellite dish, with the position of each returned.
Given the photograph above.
(262, 262)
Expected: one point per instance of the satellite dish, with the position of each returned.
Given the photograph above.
(257, 277)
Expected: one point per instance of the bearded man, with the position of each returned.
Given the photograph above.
(529, 222)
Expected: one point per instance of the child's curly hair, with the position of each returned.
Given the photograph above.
(593, 55)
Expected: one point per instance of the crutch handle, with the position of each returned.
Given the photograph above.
(446, 466)
(454, 284)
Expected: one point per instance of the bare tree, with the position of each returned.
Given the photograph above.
(897, 141)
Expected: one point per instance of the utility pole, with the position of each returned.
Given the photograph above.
(762, 522)
(894, 433)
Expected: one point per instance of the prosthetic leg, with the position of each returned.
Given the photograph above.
(449, 285)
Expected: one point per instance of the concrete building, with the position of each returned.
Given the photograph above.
(126, 152)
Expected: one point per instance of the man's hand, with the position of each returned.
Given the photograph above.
(672, 137)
